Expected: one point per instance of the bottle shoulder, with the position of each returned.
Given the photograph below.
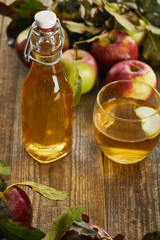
(41, 71)
(46, 77)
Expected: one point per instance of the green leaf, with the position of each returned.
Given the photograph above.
(64, 222)
(151, 49)
(77, 89)
(5, 211)
(102, 35)
(5, 169)
(15, 231)
(152, 28)
(83, 229)
(122, 19)
(21, 9)
(22, 14)
(151, 10)
(48, 192)
(3, 185)
(152, 236)
(81, 28)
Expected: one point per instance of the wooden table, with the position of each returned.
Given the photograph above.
(121, 198)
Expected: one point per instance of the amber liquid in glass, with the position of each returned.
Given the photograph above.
(47, 102)
(125, 141)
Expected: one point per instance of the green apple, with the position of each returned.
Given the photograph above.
(86, 65)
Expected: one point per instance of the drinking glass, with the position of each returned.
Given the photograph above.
(126, 120)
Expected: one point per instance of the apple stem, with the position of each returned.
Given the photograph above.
(75, 47)
(135, 68)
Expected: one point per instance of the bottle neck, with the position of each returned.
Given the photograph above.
(52, 69)
(46, 46)
(47, 59)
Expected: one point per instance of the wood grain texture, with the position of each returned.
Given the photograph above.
(121, 198)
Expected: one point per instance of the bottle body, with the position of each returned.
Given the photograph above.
(47, 106)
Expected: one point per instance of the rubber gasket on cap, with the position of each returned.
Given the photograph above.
(45, 20)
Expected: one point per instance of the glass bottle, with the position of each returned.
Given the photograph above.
(46, 95)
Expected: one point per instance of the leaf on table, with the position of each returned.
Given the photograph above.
(151, 49)
(15, 231)
(64, 222)
(82, 228)
(77, 89)
(48, 192)
(5, 211)
(152, 236)
(5, 169)
(21, 12)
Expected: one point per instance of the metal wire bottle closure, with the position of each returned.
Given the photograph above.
(27, 55)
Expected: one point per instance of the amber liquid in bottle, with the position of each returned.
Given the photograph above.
(47, 103)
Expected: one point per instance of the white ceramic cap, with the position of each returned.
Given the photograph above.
(45, 19)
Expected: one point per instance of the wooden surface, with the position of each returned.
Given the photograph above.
(121, 198)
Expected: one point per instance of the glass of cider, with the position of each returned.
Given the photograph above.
(126, 120)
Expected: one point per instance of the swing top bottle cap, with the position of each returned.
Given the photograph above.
(45, 20)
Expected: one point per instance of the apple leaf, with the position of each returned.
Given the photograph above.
(3, 185)
(77, 88)
(81, 28)
(151, 49)
(82, 228)
(121, 19)
(64, 222)
(15, 231)
(48, 192)
(150, 10)
(5, 211)
(5, 169)
(153, 29)
(152, 236)
(21, 12)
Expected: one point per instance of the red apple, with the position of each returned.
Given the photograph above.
(114, 47)
(134, 70)
(19, 45)
(20, 205)
(86, 65)
(21, 40)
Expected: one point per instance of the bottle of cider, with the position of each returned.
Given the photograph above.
(46, 96)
